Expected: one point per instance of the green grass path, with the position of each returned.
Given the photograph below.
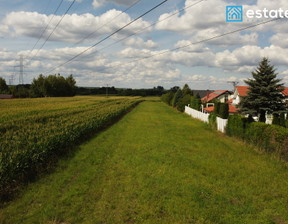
(157, 165)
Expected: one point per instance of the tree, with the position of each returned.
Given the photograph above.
(3, 86)
(186, 90)
(177, 96)
(265, 92)
(184, 101)
(53, 86)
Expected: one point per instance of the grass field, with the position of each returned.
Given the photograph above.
(157, 165)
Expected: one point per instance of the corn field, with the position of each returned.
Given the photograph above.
(35, 132)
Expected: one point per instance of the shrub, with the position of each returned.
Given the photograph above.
(224, 110)
(195, 103)
(282, 120)
(183, 102)
(167, 97)
(271, 138)
(178, 95)
(236, 126)
(212, 120)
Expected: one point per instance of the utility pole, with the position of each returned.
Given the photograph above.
(107, 90)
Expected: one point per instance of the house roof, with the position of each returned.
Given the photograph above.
(213, 95)
(232, 109)
(285, 92)
(242, 90)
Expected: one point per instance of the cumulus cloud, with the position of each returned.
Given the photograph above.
(72, 28)
(140, 43)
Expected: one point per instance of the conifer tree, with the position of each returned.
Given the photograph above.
(264, 94)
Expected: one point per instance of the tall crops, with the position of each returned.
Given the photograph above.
(33, 132)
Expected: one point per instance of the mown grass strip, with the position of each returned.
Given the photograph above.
(158, 166)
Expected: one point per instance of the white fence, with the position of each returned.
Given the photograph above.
(221, 123)
(197, 114)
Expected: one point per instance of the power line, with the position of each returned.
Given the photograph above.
(198, 42)
(153, 24)
(89, 35)
(44, 30)
(55, 28)
(107, 37)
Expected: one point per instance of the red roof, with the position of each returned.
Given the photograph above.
(285, 91)
(242, 90)
(213, 95)
(232, 109)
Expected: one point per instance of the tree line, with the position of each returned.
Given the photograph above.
(42, 86)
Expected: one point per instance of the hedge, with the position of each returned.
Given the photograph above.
(270, 138)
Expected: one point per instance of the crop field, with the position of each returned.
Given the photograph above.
(33, 132)
(156, 165)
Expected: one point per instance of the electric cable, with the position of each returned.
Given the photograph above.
(89, 35)
(107, 37)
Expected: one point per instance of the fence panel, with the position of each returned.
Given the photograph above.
(221, 124)
(197, 114)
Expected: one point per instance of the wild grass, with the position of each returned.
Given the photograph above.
(157, 165)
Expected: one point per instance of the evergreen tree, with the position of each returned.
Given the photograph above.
(186, 90)
(264, 92)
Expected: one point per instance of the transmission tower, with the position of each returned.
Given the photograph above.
(21, 79)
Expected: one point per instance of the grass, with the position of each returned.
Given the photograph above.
(157, 165)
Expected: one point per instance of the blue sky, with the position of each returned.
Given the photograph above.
(144, 59)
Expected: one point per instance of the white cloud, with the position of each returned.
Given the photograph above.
(140, 43)
(72, 28)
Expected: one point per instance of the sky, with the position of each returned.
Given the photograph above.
(101, 43)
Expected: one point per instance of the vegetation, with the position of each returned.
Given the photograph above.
(179, 98)
(157, 166)
(3, 86)
(270, 138)
(264, 94)
(196, 102)
(33, 133)
(53, 86)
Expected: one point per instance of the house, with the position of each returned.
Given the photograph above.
(220, 95)
(241, 91)
(5, 96)
(223, 96)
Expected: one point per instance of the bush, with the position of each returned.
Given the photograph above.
(236, 126)
(177, 96)
(271, 138)
(213, 120)
(183, 102)
(195, 103)
(224, 110)
(167, 98)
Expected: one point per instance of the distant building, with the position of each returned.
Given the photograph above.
(220, 95)
(5, 96)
